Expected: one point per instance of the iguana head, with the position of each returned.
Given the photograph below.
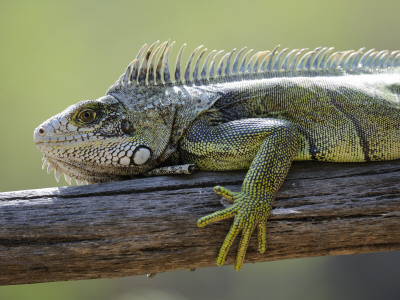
(113, 137)
(130, 130)
(100, 140)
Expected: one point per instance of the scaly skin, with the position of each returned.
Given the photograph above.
(260, 115)
(251, 206)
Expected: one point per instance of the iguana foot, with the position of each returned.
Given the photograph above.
(250, 212)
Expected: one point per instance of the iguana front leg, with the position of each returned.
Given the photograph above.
(275, 142)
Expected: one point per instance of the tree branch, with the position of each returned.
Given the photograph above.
(149, 225)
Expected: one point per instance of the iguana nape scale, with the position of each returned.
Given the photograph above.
(258, 112)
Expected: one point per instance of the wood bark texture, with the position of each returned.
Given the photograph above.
(148, 225)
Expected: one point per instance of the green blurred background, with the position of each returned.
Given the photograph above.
(56, 53)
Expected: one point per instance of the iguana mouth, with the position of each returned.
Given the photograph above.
(79, 173)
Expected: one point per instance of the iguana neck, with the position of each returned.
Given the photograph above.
(185, 103)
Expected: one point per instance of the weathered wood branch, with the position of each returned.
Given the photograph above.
(149, 225)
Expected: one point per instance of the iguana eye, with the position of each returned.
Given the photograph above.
(87, 115)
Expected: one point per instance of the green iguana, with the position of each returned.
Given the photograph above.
(258, 112)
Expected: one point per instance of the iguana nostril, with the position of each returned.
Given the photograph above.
(39, 134)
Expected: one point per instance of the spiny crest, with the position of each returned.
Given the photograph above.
(151, 66)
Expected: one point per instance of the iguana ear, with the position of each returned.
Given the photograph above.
(151, 130)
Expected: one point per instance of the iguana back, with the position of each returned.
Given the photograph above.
(341, 117)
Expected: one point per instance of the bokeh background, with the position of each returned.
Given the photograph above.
(56, 53)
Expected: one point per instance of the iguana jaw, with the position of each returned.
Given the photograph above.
(75, 160)
(82, 174)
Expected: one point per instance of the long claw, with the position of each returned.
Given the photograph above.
(262, 238)
(249, 213)
(244, 243)
(229, 239)
(227, 194)
(217, 216)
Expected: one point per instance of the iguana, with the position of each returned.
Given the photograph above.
(245, 111)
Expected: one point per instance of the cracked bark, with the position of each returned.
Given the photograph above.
(149, 225)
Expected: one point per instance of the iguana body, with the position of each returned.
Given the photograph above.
(259, 115)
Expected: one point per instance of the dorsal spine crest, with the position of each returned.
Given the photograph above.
(153, 68)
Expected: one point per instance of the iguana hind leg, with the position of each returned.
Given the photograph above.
(276, 141)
